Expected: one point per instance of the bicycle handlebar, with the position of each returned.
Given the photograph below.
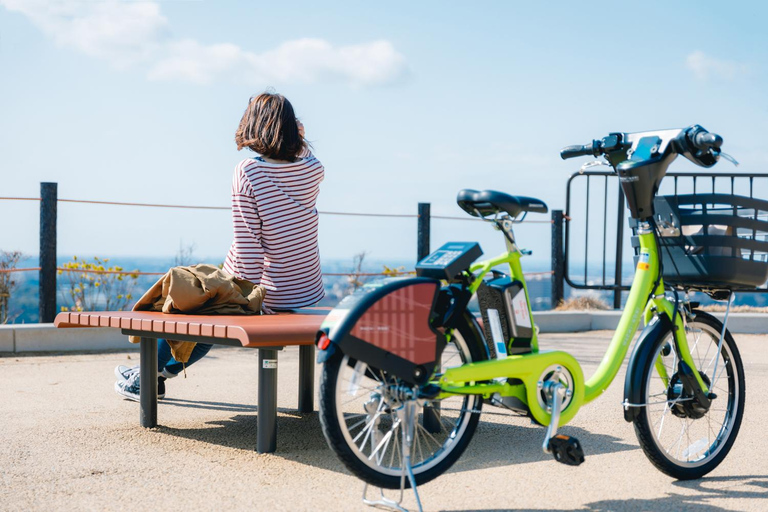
(704, 140)
(578, 150)
(695, 143)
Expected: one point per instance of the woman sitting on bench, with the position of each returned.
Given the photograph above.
(275, 223)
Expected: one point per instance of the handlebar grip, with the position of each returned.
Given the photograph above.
(705, 140)
(576, 151)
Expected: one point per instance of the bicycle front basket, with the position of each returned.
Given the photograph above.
(721, 241)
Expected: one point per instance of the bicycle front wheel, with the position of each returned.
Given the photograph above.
(683, 440)
(360, 421)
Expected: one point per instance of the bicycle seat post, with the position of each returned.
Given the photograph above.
(504, 224)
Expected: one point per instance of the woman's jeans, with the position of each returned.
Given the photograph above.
(165, 360)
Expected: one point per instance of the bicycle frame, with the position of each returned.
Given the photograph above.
(646, 299)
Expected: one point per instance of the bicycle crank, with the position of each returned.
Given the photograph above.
(565, 449)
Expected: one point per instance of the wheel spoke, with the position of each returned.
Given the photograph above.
(417, 442)
(370, 426)
(350, 427)
(663, 415)
(364, 388)
(384, 450)
(396, 450)
(430, 436)
(680, 439)
(453, 356)
(696, 346)
(726, 365)
(349, 401)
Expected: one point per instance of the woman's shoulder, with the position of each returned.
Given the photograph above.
(306, 155)
(248, 164)
(250, 168)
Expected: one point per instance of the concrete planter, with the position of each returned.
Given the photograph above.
(47, 338)
(576, 321)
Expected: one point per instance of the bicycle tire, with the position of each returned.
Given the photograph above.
(352, 457)
(702, 455)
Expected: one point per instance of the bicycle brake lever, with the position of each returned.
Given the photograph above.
(729, 158)
(593, 163)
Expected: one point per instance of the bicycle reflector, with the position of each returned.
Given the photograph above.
(323, 341)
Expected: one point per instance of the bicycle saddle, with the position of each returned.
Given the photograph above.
(491, 202)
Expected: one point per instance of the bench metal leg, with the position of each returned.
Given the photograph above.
(266, 421)
(431, 414)
(148, 383)
(306, 378)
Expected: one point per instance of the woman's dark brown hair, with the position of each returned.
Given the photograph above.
(269, 128)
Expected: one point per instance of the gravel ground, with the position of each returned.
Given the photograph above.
(70, 443)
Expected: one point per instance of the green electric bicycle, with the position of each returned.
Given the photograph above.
(407, 367)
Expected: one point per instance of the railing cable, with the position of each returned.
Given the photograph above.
(196, 207)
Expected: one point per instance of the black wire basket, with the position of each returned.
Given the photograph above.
(712, 242)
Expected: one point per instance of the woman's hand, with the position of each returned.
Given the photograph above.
(266, 311)
(301, 128)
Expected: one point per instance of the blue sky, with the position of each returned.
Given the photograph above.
(404, 102)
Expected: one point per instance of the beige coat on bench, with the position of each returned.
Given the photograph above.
(203, 290)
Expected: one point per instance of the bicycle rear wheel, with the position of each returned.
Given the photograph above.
(358, 414)
(681, 441)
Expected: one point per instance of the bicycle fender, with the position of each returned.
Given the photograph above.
(389, 325)
(639, 360)
(478, 337)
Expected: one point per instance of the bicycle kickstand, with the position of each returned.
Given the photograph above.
(407, 416)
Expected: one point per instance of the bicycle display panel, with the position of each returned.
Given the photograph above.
(450, 259)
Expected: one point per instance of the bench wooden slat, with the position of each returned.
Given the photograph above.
(294, 328)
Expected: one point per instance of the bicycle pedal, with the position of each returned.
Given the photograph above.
(566, 450)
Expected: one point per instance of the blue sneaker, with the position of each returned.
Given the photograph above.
(124, 372)
(129, 387)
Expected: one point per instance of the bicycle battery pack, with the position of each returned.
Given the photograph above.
(506, 318)
(388, 325)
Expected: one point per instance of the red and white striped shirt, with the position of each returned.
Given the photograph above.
(276, 223)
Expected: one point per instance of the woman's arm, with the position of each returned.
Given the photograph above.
(304, 153)
(247, 227)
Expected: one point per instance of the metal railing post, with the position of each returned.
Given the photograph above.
(619, 251)
(422, 241)
(48, 204)
(431, 413)
(558, 259)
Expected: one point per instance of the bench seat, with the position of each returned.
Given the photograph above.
(283, 329)
(267, 333)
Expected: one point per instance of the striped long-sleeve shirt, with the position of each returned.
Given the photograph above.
(276, 224)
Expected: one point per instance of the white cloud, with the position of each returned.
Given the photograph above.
(124, 33)
(705, 67)
(189, 61)
(136, 34)
(299, 61)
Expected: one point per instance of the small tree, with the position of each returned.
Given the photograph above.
(355, 279)
(94, 286)
(185, 256)
(8, 261)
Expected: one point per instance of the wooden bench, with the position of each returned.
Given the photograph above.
(268, 334)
